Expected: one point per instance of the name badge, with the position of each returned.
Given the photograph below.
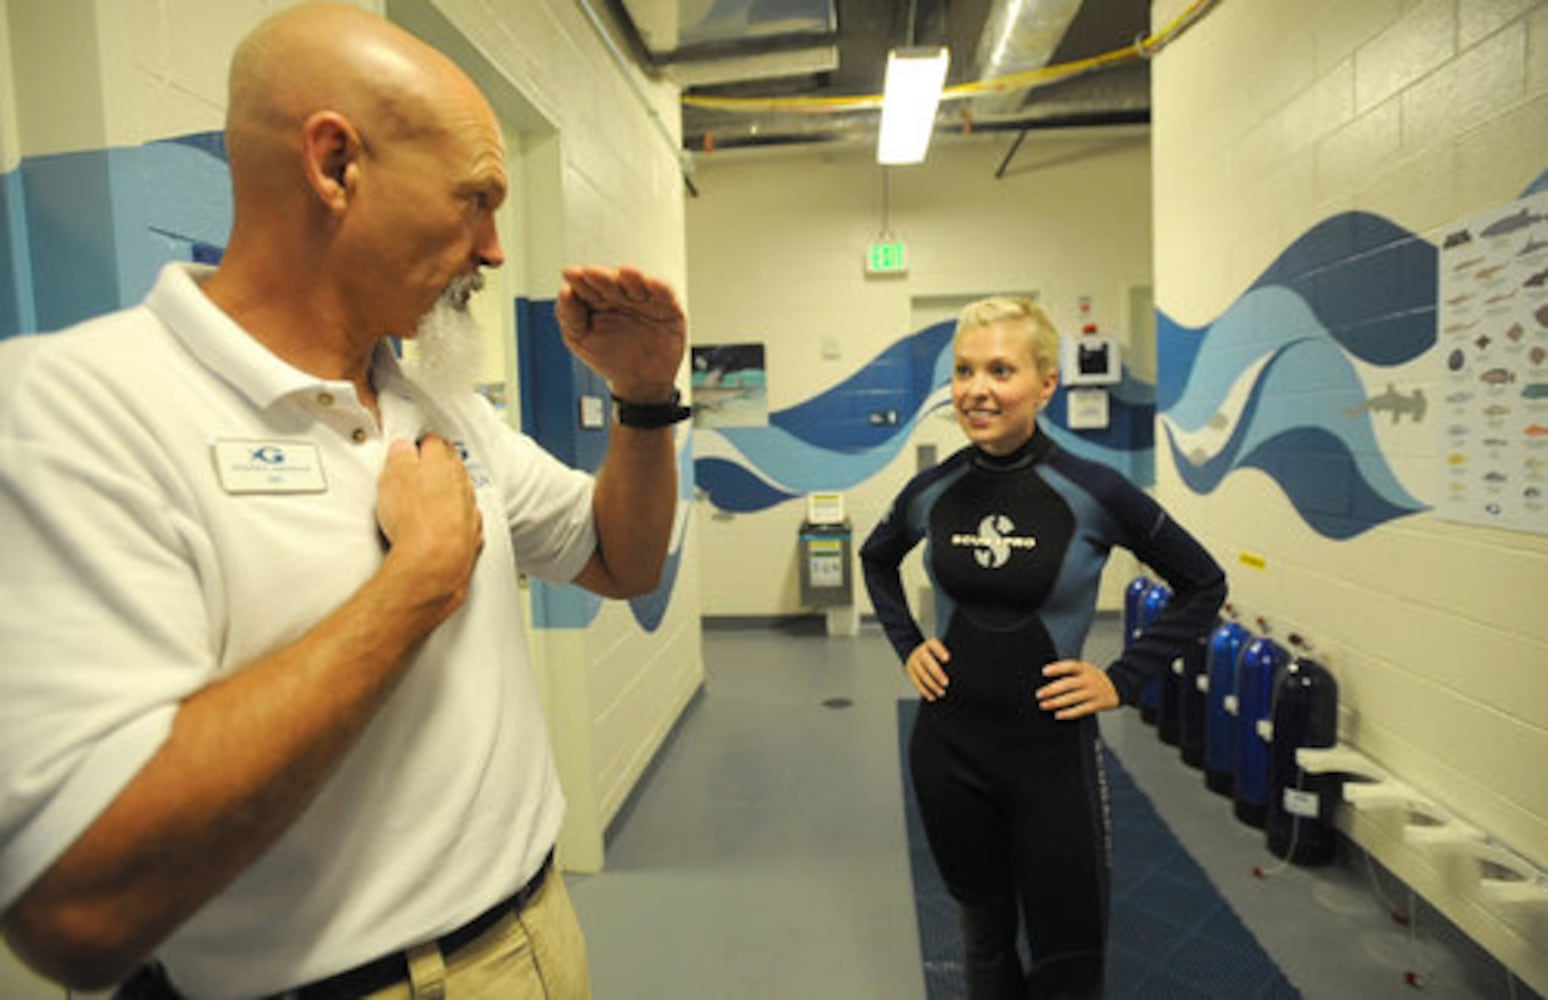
(269, 467)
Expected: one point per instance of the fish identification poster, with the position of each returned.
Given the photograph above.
(1493, 387)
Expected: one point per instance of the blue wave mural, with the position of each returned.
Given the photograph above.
(571, 607)
(84, 233)
(1272, 384)
(849, 433)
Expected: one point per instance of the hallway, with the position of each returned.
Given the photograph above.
(765, 856)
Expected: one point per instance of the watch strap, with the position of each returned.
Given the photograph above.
(648, 416)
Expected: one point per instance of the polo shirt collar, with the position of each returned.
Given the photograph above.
(228, 350)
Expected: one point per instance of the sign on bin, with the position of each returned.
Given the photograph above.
(826, 579)
(826, 556)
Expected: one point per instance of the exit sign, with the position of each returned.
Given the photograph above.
(885, 258)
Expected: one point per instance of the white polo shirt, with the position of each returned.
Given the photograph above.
(176, 502)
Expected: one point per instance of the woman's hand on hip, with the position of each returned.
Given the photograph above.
(1080, 688)
(925, 666)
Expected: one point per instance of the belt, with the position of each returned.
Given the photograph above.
(389, 969)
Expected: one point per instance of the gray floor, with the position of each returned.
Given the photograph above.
(764, 854)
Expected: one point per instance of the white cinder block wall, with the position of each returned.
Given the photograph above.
(1268, 118)
(92, 74)
(777, 242)
(614, 690)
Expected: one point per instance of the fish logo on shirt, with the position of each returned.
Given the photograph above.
(993, 541)
(478, 472)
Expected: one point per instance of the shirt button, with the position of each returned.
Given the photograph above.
(325, 398)
(359, 435)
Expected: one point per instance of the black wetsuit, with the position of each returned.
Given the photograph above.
(1013, 800)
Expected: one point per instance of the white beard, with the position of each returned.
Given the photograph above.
(450, 345)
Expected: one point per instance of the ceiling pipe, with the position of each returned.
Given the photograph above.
(860, 129)
(1019, 35)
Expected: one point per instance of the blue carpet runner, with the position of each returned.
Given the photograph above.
(1171, 934)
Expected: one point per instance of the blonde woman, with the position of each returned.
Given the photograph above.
(1005, 754)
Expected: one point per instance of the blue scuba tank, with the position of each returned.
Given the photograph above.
(1150, 609)
(1301, 806)
(1261, 661)
(1222, 660)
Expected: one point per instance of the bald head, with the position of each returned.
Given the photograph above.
(366, 170)
(325, 57)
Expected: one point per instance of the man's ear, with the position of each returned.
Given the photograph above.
(329, 152)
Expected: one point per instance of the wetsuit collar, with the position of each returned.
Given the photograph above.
(1035, 449)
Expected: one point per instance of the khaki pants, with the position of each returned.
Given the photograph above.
(539, 955)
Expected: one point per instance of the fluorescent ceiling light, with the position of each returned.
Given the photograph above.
(914, 81)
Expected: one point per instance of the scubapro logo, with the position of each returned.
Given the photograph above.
(993, 541)
(269, 455)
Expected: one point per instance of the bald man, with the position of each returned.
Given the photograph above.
(265, 710)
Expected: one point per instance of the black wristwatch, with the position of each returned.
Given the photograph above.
(648, 416)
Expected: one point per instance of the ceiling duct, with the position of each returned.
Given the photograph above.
(1019, 35)
(698, 43)
(708, 70)
(752, 71)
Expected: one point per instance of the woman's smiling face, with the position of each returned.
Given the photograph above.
(997, 387)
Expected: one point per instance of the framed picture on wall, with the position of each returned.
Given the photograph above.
(730, 386)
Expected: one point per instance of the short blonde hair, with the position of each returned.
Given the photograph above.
(1042, 337)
